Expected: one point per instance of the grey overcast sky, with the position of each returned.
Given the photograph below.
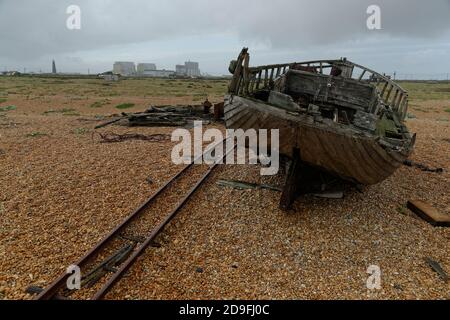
(414, 39)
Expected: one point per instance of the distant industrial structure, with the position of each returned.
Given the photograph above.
(144, 67)
(53, 67)
(150, 70)
(158, 73)
(125, 68)
(189, 69)
(10, 73)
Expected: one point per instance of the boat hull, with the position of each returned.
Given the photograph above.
(339, 150)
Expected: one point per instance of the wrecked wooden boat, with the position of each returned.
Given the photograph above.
(334, 115)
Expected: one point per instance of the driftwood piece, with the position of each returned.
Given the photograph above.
(428, 213)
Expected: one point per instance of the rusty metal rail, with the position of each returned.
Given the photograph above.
(54, 289)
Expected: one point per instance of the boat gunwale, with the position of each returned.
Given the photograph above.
(330, 62)
(246, 77)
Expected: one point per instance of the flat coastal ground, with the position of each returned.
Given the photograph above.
(61, 191)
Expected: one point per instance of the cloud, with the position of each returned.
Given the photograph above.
(32, 30)
(38, 27)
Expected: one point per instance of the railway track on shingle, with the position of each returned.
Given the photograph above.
(103, 266)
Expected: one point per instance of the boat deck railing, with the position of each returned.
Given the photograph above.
(249, 80)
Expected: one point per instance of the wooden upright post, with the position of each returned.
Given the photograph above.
(290, 189)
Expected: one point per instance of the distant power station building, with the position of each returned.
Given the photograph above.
(143, 67)
(150, 70)
(53, 67)
(124, 68)
(157, 73)
(190, 69)
(180, 69)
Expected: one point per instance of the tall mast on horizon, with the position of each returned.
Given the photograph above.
(53, 67)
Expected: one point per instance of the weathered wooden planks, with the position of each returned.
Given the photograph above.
(428, 213)
(341, 91)
(333, 147)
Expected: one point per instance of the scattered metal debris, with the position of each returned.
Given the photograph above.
(110, 137)
(91, 278)
(241, 185)
(428, 213)
(91, 119)
(106, 266)
(171, 116)
(422, 167)
(330, 194)
(108, 123)
(438, 269)
(166, 116)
